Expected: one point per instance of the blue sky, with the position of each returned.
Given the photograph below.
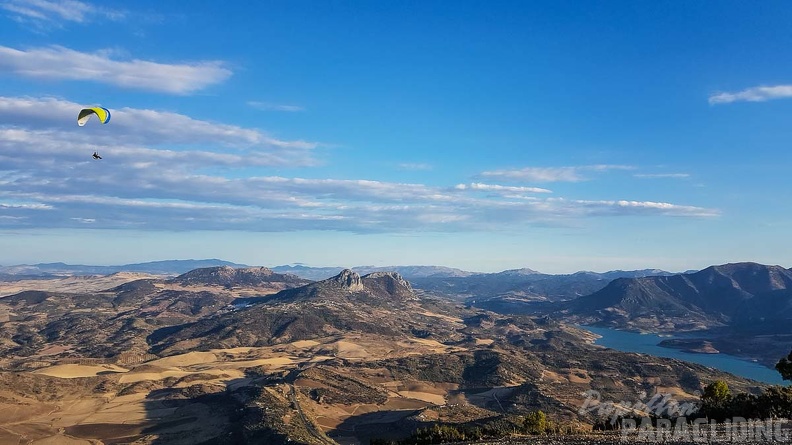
(559, 136)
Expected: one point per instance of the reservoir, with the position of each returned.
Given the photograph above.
(648, 344)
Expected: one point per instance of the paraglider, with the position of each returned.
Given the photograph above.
(103, 114)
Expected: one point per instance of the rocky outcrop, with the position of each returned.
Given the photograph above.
(389, 285)
(229, 277)
(348, 280)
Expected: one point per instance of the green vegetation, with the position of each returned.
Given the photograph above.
(784, 367)
(717, 402)
(716, 395)
(535, 422)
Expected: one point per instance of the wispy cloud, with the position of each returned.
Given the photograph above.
(167, 171)
(500, 188)
(267, 106)
(662, 175)
(552, 174)
(59, 63)
(54, 11)
(414, 166)
(4, 206)
(136, 126)
(209, 203)
(755, 94)
(156, 197)
(622, 207)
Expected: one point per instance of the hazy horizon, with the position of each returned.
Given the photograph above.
(341, 264)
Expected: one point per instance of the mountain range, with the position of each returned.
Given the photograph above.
(248, 355)
(166, 267)
(506, 291)
(744, 309)
(409, 272)
(502, 291)
(175, 267)
(718, 295)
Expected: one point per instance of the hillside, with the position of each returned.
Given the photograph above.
(346, 302)
(715, 296)
(104, 316)
(242, 277)
(744, 309)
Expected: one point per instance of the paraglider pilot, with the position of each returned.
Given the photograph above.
(96, 156)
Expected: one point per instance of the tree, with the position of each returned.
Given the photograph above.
(784, 366)
(776, 401)
(716, 394)
(745, 405)
(535, 422)
(716, 400)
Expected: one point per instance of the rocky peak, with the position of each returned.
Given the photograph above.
(388, 277)
(373, 289)
(389, 283)
(348, 279)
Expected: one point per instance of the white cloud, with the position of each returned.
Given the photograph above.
(578, 208)
(552, 174)
(178, 128)
(755, 94)
(266, 106)
(34, 206)
(156, 198)
(35, 118)
(57, 62)
(501, 188)
(56, 11)
(664, 208)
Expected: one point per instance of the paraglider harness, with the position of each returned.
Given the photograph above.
(96, 156)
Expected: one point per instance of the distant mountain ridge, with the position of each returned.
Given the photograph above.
(498, 291)
(176, 267)
(409, 272)
(166, 267)
(508, 288)
(718, 295)
(504, 291)
(243, 276)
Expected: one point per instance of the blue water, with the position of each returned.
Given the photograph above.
(648, 344)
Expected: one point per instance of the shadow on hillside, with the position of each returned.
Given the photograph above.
(194, 411)
(391, 425)
(184, 413)
(495, 399)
